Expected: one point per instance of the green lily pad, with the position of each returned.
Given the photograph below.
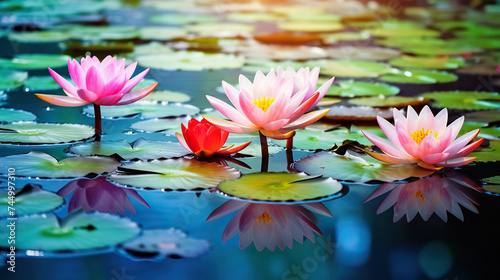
(254, 150)
(415, 76)
(428, 62)
(492, 153)
(478, 31)
(443, 50)
(139, 149)
(167, 96)
(181, 19)
(146, 109)
(156, 125)
(492, 180)
(356, 113)
(12, 79)
(356, 167)
(310, 26)
(282, 52)
(413, 42)
(161, 33)
(353, 88)
(39, 36)
(78, 231)
(491, 133)
(390, 32)
(174, 174)
(152, 48)
(40, 83)
(313, 140)
(280, 186)
(11, 115)
(161, 243)
(30, 199)
(480, 43)
(252, 17)
(38, 164)
(99, 33)
(362, 53)
(465, 100)
(352, 68)
(220, 29)
(44, 133)
(332, 38)
(391, 101)
(483, 117)
(35, 61)
(190, 61)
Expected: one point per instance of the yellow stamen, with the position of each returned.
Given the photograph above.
(419, 135)
(420, 195)
(264, 218)
(264, 103)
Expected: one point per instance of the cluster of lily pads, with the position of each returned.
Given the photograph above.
(383, 68)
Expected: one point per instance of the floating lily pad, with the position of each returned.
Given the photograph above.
(147, 110)
(11, 79)
(413, 42)
(443, 50)
(167, 96)
(252, 17)
(356, 167)
(78, 231)
(313, 140)
(40, 83)
(492, 180)
(483, 117)
(161, 243)
(98, 48)
(161, 33)
(156, 125)
(30, 199)
(11, 115)
(466, 100)
(181, 19)
(282, 52)
(352, 68)
(99, 33)
(491, 133)
(38, 164)
(391, 101)
(362, 53)
(220, 29)
(264, 65)
(332, 38)
(353, 88)
(428, 62)
(392, 32)
(35, 61)
(254, 150)
(475, 31)
(139, 149)
(280, 186)
(191, 61)
(485, 69)
(174, 174)
(415, 76)
(481, 43)
(152, 48)
(358, 113)
(310, 26)
(44, 133)
(492, 153)
(39, 36)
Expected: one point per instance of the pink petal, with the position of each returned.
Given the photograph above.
(116, 84)
(304, 107)
(228, 126)
(229, 111)
(61, 100)
(458, 144)
(398, 117)
(129, 71)
(134, 81)
(386, 146)
(306, 119)
(469, 148)
(278, 134)
(429, 145)
(95, 82)
(109, 100)
(434, 158)
(441, 121)
(135, 95)
(244, 84)
(182, 141)
(427, 166)
(275, 125)
(389, 131)
(76, 73)
(232, 94)
(409, 145)
(391, 159)
(456, 126)
(322, 90)
(457, 162)
(87, 95)
(254, 114)
(234, 149)
(67, 86)
(425, 120)
(226, 209)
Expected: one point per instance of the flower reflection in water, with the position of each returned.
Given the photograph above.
(100, 195)
(438, 194)
(270, 225)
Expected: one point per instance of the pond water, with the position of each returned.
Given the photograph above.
(376, 221)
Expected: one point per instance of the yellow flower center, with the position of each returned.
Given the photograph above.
(264, 218)
(264, 103)
(420, 195)
(419, 135)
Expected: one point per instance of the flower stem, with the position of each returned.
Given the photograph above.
(98, 125)
(263, 145)
(264, 166)
(289, 143)
(289, 160)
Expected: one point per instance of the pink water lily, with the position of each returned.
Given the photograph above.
(103, 83)
(270, 225)
(274, 105)
(424, 139)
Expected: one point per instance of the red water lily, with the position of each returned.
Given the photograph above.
(204, 140)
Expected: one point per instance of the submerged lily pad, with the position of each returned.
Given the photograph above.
(161, 243)
(353, 88)
(167, 96)
(139, 149)
(40, 83)
(428, 62)
(391, 101)
(352, 68)
(190, 61)
(310, 26)
(415, 76)
(282, 186)
(11, 115)
(174, 174)
(35, 61)
(363, 53)
(147, 110)
(39, 36)
(11, 79)
(466, 100)
(356, 167)
(30, 199)
(44, 133)
(38, 164)
(492, 153)
(78, 231)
